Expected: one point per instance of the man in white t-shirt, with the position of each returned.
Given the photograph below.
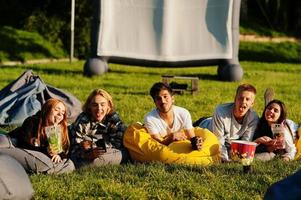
(234, 121)
(167, 122)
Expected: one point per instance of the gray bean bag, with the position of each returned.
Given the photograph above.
(34, 161)
(26, 95)
(14, 182)
(37, 162)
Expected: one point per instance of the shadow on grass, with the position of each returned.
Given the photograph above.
(117, 86)
(269, 57)
(37, 69)
(231, 169)
(285, 52)
(138, 72)
(158, 72)
(58, 71)
(136, 93)
(203, 76)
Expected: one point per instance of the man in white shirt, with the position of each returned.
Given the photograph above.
(167, 122)
(234, 121)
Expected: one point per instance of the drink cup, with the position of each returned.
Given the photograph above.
(54, 138)
(100, 141)
(278, 133)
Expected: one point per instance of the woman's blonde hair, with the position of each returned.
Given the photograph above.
(43, 122)
(104, 94)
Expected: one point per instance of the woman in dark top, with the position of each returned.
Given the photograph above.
(280, 143)
(43, 138)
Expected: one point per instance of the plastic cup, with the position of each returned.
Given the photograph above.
(54, 138)
(278, 133)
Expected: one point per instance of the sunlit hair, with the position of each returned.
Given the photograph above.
(157, 87)
(104, 94)
(46, 111)
(283, 113)
(245, 87)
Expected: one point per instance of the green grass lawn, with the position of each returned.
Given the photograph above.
(129, 86)
(20, 45)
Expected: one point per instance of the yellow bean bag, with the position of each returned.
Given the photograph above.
(298, 145)
(144, 148)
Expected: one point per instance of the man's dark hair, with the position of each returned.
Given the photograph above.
(157, 87)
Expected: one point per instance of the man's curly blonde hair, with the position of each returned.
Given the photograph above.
(101, 92)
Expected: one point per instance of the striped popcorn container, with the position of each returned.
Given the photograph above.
(243, 151)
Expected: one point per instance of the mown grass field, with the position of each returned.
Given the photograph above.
(129, 86)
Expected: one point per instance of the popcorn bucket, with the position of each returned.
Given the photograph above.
(243, 151)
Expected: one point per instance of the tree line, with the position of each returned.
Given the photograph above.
(277, 15)
(51, 18)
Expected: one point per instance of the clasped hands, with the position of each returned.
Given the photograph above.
(196, 141)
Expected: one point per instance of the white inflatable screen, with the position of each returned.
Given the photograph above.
(166, 30)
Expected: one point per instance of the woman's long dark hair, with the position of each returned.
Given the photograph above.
(282, 116)
(263, 126)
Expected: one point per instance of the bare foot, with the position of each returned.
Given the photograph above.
(268, 96)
